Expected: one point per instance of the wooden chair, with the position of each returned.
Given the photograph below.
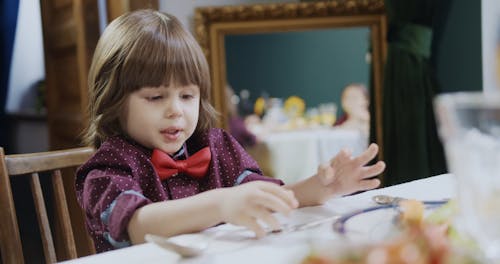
(32, 165)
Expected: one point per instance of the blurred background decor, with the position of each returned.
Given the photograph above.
(285, 49)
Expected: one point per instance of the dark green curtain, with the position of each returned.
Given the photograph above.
(412, 149)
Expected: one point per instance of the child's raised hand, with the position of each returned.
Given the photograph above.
(345, 174)
(247, 203)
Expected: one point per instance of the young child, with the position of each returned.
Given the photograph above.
(355, 104)
(160, 167)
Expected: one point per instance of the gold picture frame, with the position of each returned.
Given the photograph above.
(212, 24)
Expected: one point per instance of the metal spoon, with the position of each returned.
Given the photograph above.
(394, 201)
(183, 249)
(387, 200)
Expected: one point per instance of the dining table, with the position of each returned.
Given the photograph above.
(233, 244)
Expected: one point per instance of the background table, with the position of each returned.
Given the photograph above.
(233, 244)
(295, 155)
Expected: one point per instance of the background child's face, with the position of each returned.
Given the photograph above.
(354, 101)
(161, 117)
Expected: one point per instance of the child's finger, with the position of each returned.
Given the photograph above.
(285, 195)
(368, 184)
(373, 170)
(273, 203)
(252, 224)
(367, 155)
(265, 216)
(346, 152)
(342, 155)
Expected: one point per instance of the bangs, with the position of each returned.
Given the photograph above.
(144, 48)
(163, 55)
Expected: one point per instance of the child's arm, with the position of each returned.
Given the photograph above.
(343, 175)
(241, 205)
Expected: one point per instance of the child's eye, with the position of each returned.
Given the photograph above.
(187, 96)
(154, 98)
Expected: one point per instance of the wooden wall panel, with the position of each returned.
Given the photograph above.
(70, 31)
(118, 7)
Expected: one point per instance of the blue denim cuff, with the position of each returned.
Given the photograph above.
(105, 219)
(114, 243)
(242, 176)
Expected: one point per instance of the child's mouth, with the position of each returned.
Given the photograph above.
(171, 133)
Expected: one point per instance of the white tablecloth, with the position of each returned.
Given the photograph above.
(295, 155)
(230, 244)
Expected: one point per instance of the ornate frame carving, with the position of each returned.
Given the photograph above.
(213, 23)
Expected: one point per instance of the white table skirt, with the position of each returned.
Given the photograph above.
(230, 244)
(294, 155)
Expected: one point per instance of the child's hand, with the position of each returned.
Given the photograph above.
(346, 175)
(247, 203)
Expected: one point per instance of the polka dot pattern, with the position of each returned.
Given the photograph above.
(121, 165)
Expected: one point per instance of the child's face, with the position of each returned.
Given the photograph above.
(161, 117)
(354, 101)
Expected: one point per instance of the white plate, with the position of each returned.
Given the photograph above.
(374, 224)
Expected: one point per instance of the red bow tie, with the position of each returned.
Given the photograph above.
(196, 165)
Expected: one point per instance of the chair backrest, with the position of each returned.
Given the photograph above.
(32, 165)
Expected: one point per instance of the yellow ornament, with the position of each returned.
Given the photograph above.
(259, 106)
(294, 106)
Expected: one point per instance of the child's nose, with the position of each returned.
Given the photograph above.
(173, 108)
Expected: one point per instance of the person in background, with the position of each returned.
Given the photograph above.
(160, 167)
(355, 101)
(237, 125)
(245, 106)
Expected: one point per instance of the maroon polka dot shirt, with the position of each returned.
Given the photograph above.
(120, 178)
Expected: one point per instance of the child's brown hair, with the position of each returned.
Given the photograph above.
(145, 48)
